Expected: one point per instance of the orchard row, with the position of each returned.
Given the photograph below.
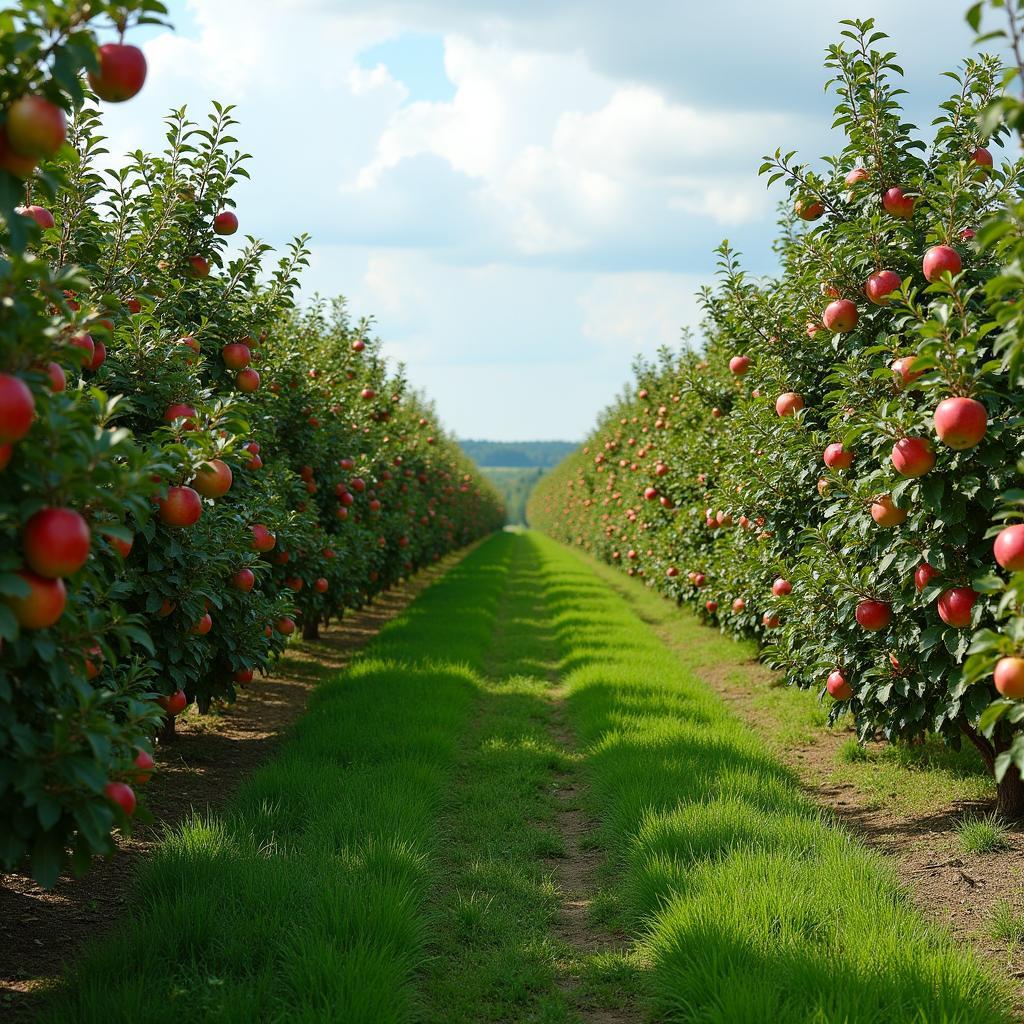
(830, 469)
(192, 467)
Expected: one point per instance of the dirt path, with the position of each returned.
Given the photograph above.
(42, 930)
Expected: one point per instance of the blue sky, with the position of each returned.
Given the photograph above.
(525, 193)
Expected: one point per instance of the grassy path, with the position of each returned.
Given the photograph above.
(520, 806)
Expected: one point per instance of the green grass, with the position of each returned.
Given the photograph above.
(1006, 923)
(983, 835)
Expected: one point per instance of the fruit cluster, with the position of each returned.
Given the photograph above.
(825, 470)
(192, 468)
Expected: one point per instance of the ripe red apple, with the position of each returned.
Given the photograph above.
(173, 704)
(203, 626)
(12, 161)
(198, 267)
(913, 456)
(262, 538)
(880, 285)
(17, 408)
(358, 345)
(739, 604)
(807, 209)
(35, 126)
(961, 422)
(87, 346)
(902, 372)
(58, 382)
(121, 73)
(885, 513)
(856, 175)
(225, 223)
(840, 316)
(192, 343)
(1009, 677)
(940, 259)
(99, 356)
(285, 626)
(144, 765)
(56, 542)
(368, 394)
(320, 586)
(837, 457)
(213, 479)
(39, 214)
(243, 676)
(711, 606)
(924, 574)
(873, 615)
(244, 580)
(955, 606)
(180, 411)
(781, 587)
(44, 604)
(897, 204)
(837, 686)
(294, 583)
(121, 794)
(982, 158)
(650, 493)
(739, 365)
(181, 507)
(248, 380)
(133, 305)
(770, 621)
(699, 579)
(671, 572)
(236, 355)
(788, 403)
(1009, 548)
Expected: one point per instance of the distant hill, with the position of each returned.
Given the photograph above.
(519, 454)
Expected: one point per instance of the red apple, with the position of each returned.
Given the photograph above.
(17, 408)
(243, 676)
(913, 456)
(198, 267)
(711, 606)
(262, 538)
(236, 355)
(225, 223)
(837, 686)
(699, 579)
(35, 126)
(808, 209)
(285, 626)
(781, 587)
(873, 615)
(961, 422)
(840, 316)
(982, 158)
(924, 574)
(144, 765)
(1009, 548)
(838, 457)
(173, 704)
(650, 493)
(180, 411)
(770, 621)
(248, 380)
(244, 580)
(181, 507)
(213, 479)
(885, 513)
(955, 606)
(880, 285)
(320, 586)
(122, 547)
(58, 382)
(739, 604)
(203, 626)
(788, 403)
(99, 356)
(12, 161)
(856, 175)
(1009, 677)
(121, 73)
(44, 604)
(121, 794)
(940, 259)
(39, 214)
(902, 372)
(56, 542)
(368, 394)
(358, 345)
(739, 365)
(897, 204)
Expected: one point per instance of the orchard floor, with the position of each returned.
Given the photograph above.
(524, 802)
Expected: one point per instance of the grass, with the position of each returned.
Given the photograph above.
(1006, 923)
(983, 835)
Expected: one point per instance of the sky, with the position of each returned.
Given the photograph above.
(525, 194)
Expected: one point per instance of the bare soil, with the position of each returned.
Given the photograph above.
(41, 930)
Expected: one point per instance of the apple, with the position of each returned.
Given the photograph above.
(368, 394)
(897, 204)
(873, 615)
(285, 626)
(940, 259)
(885, 513)
(191, 342)
(1009, 677)
(58, 381)
(739, 604)
(236, 355)
(181, 507)
(35, 127)
(294, 583)
(248, 380)
(122, 547)
(121, 794)
(1009, 548)
(788, 403)
(262, 538)
(880, 285)
(133, 305)
(17, 408)
(699, 579)
(739, 365)
(203, 626)
(244, 580)
(320, 586)
(254, 463)
(121, 73)
(711, 606)
(213, 479)
(650, 493)
(99, 357)
(44, 604)
(837, 686)
(982, 158)
(225, 223)
(924, 574)
(39, 214)
(243, 676)
(961, 422)
(180, 411)
(837, 457)
(198, 267)
(173, 704)
(808, 210)
(87, 346)
(12, 161)
(358, 484)
(770, 621)
(358, 345)
(913, 456)
(144, 765)
(56, 542)
(781, 587)
(856, 175)
(93, 662)
(671, 572)
(955, 606)
(165, 609)
(840, 316)
(902, 372)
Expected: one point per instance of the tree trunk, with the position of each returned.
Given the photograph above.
(167, 733)
(1010, 790)
(311, 629)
